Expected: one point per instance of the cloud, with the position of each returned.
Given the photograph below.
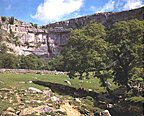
(55, 10)
(7, 4)
(109, 6)
(132, 4)
(118, 5)
(8, 7)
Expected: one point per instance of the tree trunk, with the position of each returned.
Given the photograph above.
(126, 79)
(106, 86)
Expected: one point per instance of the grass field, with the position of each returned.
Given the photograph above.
(18, 83)
(21, 81)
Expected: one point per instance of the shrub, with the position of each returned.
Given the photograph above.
(3, 19)
(31, 62)
(136, 99)
(11, 20)
(8, 61)
(35, 25)
(56, 63)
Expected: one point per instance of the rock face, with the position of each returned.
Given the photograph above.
(34, 39)
(47, 41)
(106, 18)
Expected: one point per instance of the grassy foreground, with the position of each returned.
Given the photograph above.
(21, 81)
(18, 83)
(19, 98)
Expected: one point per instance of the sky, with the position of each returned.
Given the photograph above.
(44, 12)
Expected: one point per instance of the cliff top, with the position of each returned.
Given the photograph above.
(106, 18)
(103, 18)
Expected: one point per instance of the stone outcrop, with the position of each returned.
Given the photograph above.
(47, 41)
(35, 39)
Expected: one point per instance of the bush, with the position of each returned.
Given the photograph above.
(0, 25)
(11, 20)
(34, 25)
(56, 64)
(3, 19)
(8, 61)
(137, 73)
(31, 62)
(136, 99)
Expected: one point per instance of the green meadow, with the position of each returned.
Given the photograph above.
(21, 81)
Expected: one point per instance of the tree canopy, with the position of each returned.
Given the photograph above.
(86, 50)
(126, 44)
(109, 53)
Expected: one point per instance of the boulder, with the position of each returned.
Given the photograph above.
(110, 106)
(2, 70)
(77, 100)
(68, 82)
(8, 113)
(48, 93)
(105, 113)
(5, 90)
(34, 90)
(37, 101)
(54, 99)
(10, 109)
(38, 110)
(90, 90)
(30, 81)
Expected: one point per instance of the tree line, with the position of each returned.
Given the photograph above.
(11, 61)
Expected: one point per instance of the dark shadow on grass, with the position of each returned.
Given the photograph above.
(67, 90)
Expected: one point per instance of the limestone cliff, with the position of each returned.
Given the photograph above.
(106, 18)
(47, 41)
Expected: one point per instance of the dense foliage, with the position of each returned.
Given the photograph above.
(114, 53)
(126, 44)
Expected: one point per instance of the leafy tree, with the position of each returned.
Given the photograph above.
(86, 50)
(31, 62)
(0, 25)
(126, 49)
(55, 64)
(35, 25)
(74, 53)
(3, 19)
(11, 20)
(8, 60)
(3, 48)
